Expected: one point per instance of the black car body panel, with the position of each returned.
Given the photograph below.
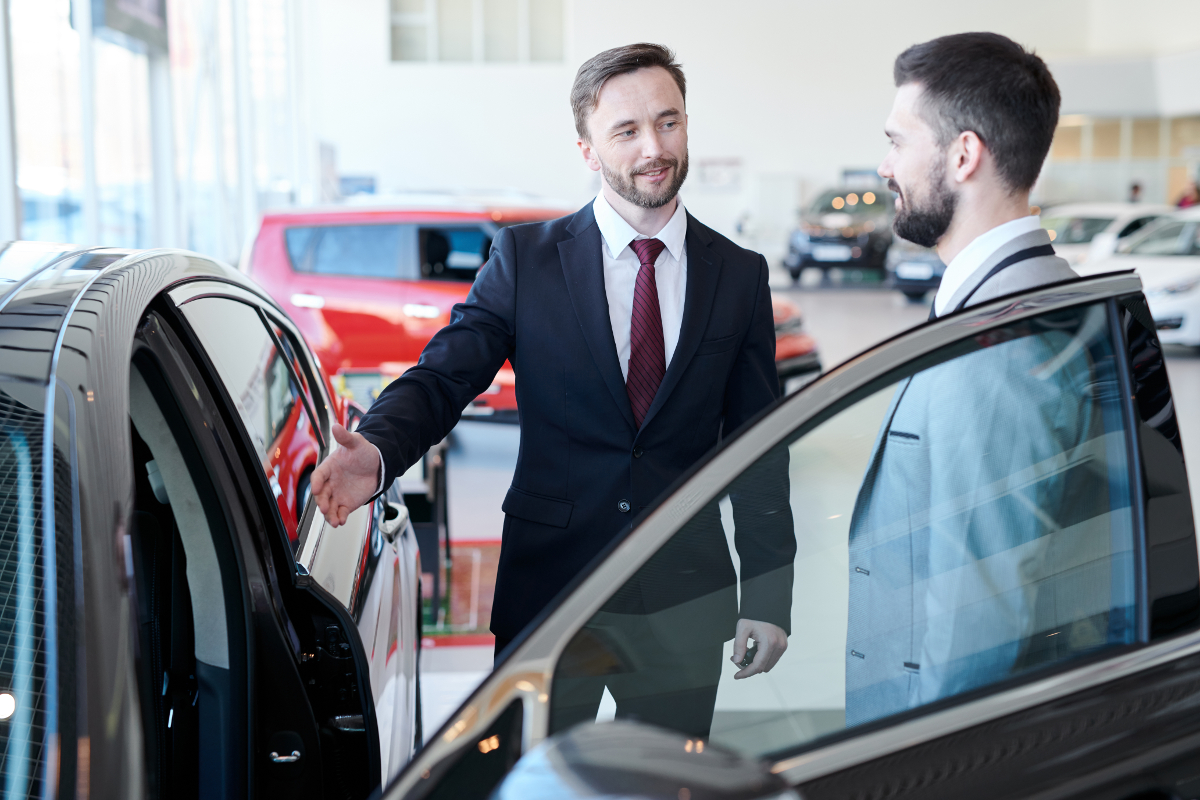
(72, 324)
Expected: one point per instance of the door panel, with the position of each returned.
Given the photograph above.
(320, 639)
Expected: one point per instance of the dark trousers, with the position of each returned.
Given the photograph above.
(674, 689)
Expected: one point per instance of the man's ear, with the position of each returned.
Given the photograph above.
(966, 155)
(589, 154)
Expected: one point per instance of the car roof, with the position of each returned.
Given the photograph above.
(44, 284)
(1103, 209)
(496, 206)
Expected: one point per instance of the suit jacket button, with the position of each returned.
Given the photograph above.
(623, 506)
(637, 452)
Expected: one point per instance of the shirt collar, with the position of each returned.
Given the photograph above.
(973, 256)
(618, 233)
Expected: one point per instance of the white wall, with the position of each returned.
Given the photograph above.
(795, 90)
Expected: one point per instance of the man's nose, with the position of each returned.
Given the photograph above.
(652, 146)
(885, 168)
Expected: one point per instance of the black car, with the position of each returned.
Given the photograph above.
(913, 270)
(1051, 649)
(159, 635)
(846, 228)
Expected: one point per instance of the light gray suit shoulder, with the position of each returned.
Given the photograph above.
(1023, 275)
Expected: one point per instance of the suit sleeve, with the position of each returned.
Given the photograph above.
(753, 382)
(420, 407)
(764, 533)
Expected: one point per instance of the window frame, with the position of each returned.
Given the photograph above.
(527, 670)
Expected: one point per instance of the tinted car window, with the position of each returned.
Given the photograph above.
(1075, 230)
(1135, 226)
(274, 409)
(370, 251)
(453, 254)
(1162, 240)
(958, 527)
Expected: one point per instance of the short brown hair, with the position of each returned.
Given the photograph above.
(988, 84)
(590, 78)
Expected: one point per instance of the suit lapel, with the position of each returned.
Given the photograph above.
(703, 267)
(583, 267)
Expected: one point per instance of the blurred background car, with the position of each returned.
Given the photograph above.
(847, 228)
(1083, 232)
(369, 284)
(913, 269)
(795, 351)
(1166, 255)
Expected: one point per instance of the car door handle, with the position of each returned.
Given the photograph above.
(278, 759)
(301, 300)
(395, 518)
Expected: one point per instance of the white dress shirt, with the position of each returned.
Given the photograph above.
(621, 268)
(973, 256)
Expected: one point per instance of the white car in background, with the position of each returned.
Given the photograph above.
(1085, 232)
(1166, 255)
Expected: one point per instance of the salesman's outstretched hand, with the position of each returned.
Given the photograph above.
(347, 478)
(770, 639)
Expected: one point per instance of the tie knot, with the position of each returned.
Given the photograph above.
(647, 250)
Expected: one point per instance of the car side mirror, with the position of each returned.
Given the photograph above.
(395, 518)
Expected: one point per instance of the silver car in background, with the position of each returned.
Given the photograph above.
(1087, 232)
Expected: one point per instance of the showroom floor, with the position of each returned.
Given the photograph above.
(482, 456)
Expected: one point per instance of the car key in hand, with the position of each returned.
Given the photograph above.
(751, 652)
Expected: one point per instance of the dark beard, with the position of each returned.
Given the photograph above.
(926, 222)
(624, 185)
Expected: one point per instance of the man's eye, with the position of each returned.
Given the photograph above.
(626, 134)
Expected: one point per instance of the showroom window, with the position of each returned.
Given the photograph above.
(510, 31)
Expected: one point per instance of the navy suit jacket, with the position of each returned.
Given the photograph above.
(584, 469)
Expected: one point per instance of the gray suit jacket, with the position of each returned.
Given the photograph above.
(948, 541)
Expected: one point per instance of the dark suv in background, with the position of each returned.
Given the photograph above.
(846, 228)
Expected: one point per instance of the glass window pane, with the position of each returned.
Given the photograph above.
(269, 403)
(545, 30)
(960, 527)
(1162, 241)
(123, 168)
(456, 33)
(374, 251)
(46, 106)
(1074, 230)
(500, 30)
(409, 43)
(23, 631)
(453, 254)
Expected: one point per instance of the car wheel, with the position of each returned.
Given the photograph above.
(915, 296)
(795, 273)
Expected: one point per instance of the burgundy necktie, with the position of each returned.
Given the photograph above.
(647, 352)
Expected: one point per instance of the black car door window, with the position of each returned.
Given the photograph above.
(262, 384)
(453, 253)
(960, 525)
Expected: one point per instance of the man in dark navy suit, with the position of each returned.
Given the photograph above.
(639, 337)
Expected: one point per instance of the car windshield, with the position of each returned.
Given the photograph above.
(1075, 230)
(865, 202)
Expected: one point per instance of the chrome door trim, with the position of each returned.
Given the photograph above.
(841, 755)
(528, 672)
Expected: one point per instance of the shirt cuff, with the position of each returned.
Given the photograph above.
(379, 487)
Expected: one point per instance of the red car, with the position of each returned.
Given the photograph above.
(369, 285)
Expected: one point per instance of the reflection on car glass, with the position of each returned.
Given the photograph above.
(375, 251)
(966, 525)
